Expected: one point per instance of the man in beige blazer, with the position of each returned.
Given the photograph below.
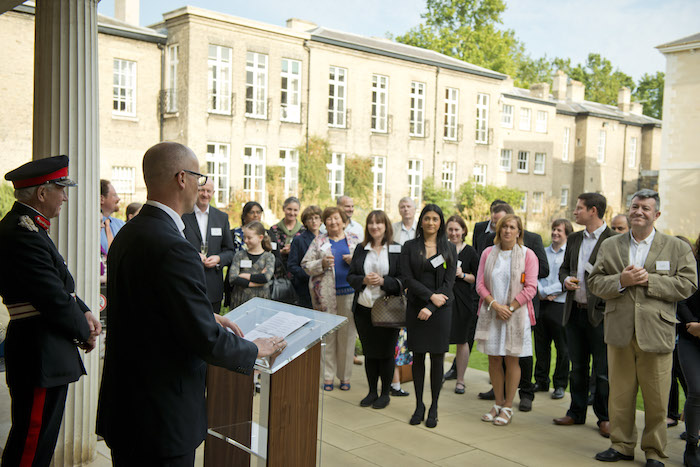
(641, 275)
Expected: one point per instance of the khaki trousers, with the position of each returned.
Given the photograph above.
(629, 368)
(340, 345)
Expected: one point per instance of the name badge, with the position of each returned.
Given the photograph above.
(663, 265)
(216, 231)
(588, 267)
(273, 245)
(394, 248)
(459, 263)
(437, 261)
(246, 263)
(325, 247)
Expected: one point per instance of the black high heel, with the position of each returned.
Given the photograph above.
(432, 420)
(418, 415)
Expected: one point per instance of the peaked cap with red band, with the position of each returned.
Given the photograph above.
(41, 171)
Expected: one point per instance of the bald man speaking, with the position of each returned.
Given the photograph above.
(161, 329)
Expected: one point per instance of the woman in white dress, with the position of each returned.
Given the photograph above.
(506, 282)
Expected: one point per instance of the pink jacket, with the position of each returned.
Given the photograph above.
(532, 267)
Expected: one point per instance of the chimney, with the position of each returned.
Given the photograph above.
(636, 108)
(300, 25)
(540, 90)
(559, 81)
(575, 91)
(623, 99)
(127, 11)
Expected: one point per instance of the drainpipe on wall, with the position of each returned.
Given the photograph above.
(162, 90)
(623, 200)
(308, 90)
(435, 129)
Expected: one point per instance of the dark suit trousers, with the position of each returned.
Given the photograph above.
(134, 459)
(548, 329)
(216, 307)
(586, 341)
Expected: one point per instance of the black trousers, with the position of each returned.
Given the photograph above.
(548, 329)
(689, 357)
(36, 418)
(216, 307)
(128, 458)
(586, 341)
(676, 378)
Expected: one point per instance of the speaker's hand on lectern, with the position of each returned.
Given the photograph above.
(270, 346)
(228, 324)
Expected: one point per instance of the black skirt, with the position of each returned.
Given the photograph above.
(377, 342)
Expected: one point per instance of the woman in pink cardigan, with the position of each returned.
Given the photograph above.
(506, 282)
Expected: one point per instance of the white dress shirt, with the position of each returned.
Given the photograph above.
(202, 221)
(640, 250)
(402, 234)
(356, 228)
(171, 212)
(550, 285)
(584, 254)
(378, 263)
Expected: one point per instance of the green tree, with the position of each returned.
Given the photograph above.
(358, 185)
(474, 200)
(602, 81)
(313, 174)
(7, 198)
(467, 30)
(650, 92)
(435, 194)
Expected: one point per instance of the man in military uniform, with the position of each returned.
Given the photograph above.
(47, 321)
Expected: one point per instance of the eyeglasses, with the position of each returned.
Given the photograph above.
(201, 179)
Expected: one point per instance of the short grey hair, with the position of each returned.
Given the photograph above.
(407, 199)
(23, 195)
(646, 193)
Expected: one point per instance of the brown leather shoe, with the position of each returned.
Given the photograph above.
(566, 420)
(604, 429)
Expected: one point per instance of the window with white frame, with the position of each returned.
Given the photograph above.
(504, 163)
(565, 145)
(415, 179)
(379, 181)
(256, 85)
(451, 112)
(523, 203)
(537, 201)
(525, 117)
(448, 175)
(123, 180)
(218, 171)
(254, 173)
(482, 118)
(416, 122)
(541, 122)
(219, 79)
(523, 162)
(479, 174)
(380, 102)
(540, 163)
(172, 77)
(124, 88)
(601, 146)
(337, 81)
(289, 159)
(507, 116)
(632, 157)
(336, 175)
(290, 102)
(564, 198)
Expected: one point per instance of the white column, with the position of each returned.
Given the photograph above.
(66, 122)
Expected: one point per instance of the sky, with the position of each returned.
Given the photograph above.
(624, 31)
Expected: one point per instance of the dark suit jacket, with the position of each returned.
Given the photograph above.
(392, 284)
(412, 257)
(478, 235)
(221, 245)
(569, 267)
(162, 333)
(39, 350)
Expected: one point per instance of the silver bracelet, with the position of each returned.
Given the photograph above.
(488, 308)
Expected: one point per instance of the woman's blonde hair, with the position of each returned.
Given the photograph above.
(259, 229)
(502, 222)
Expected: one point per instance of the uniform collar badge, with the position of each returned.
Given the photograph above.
(26, 222)
(43, 222)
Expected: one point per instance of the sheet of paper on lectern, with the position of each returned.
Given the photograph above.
(281, 324)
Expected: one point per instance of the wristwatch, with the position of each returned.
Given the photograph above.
(511, 308)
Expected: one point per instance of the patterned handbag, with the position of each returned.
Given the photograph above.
(389, 311)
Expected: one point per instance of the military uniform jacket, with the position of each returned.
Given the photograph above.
(39, 350)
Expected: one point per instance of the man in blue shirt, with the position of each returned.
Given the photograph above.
(109, 204)
(549, 324)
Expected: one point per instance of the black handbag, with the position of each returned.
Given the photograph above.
(281, 287)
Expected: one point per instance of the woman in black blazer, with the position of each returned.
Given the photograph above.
(428, 268)
(374, 273)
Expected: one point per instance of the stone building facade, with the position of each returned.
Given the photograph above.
(244, 95)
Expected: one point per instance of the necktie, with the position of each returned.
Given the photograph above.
(108, 232)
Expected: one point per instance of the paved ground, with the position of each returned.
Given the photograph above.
(355, 436)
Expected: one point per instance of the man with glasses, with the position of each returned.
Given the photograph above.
(47, 320)
(151, 409)
(207, 229)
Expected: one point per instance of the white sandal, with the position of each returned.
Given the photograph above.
(501, 421)
(489, 417)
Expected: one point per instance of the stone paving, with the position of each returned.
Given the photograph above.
(356, 436)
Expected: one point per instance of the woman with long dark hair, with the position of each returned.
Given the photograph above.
(428, 268)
